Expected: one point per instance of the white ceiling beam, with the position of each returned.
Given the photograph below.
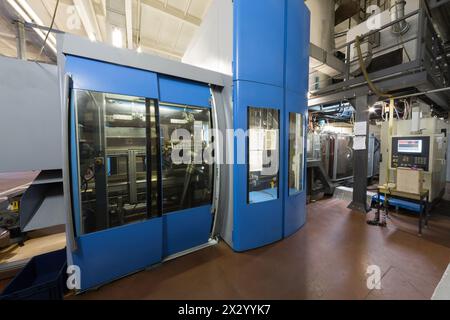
(50, 11)
(7, 35)
(152, 45)
(8, 44)
(87, 15)
(174, 12)
(129, 22)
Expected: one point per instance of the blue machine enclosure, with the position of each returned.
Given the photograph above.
(113, 253)
(271, 54)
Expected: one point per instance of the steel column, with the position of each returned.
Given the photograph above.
(360, 157)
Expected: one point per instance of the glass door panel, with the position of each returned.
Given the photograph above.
(263, 154)
(116, 135)
(296, 151)
(186, 174)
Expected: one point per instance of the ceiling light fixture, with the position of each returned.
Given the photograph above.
(117, 40)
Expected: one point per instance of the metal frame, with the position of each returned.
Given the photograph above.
(416, 73)
(77, 46)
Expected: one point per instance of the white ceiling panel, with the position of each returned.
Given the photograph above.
(166, 25)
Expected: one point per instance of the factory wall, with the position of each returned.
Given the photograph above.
(30, 124)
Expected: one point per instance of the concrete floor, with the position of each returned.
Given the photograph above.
(327, 259)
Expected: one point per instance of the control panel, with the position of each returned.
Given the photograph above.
(411, 152)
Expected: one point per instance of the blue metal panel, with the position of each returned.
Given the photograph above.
(110, 254)
(186, 229)
(297, 46)
(256, 224)
(105, 77)
(259, 41)
(182, 91)
(296, 88)
(295, 205)
(404, 204)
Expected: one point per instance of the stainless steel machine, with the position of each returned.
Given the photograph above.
(423, 149)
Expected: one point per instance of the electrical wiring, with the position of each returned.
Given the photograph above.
(49, 29)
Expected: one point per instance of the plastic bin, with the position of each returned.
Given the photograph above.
(43, 278)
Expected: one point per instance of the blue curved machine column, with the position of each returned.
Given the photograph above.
(271, 54)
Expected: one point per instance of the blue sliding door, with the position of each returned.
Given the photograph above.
(185, 117)
(132, 204)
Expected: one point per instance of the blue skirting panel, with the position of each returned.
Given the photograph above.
(186, 229)
(105, 77)
(404, 204)
(180, 91)
(110, 254)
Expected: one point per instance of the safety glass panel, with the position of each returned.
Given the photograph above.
(116, 142)
(187, 175)
(296, 150)
(263, 154)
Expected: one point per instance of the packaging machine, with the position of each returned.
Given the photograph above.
(138, 188)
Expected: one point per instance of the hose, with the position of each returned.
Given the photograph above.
(50, 28)
(364, 71)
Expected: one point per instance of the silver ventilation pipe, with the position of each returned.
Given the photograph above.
(397, 10)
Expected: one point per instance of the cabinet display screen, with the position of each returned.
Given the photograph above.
(409, 146)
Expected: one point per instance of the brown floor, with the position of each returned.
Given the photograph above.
(327, 259)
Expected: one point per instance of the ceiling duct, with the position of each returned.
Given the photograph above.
(397, 11)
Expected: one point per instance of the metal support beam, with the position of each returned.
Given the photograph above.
(360, 157)
(174, 12)
(88, 17)
(21, 41)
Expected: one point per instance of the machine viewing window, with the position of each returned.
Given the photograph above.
(118, 154)
(187, 183)
(263, 154)
(410, 146)
(296, 151)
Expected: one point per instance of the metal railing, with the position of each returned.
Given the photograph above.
(429, 52)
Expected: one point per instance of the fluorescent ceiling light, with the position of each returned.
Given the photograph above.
(25, 17)
(117, 40)
(372, 109)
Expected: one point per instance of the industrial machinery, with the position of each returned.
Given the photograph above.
(395, 52)
(338, 153)
(335, 151)
(115, 193)
(150, 171)
(418, 143)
